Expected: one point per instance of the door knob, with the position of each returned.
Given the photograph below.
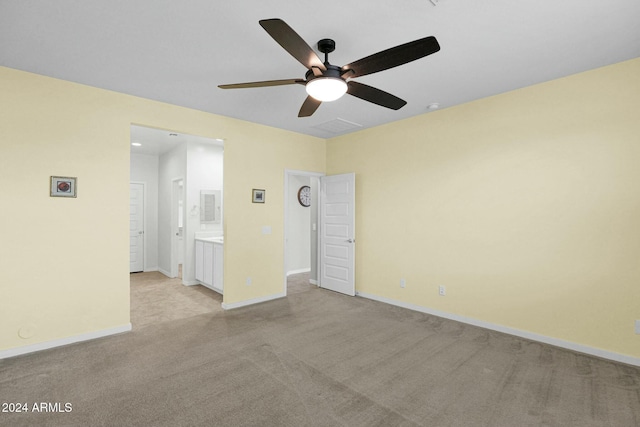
(350, 240)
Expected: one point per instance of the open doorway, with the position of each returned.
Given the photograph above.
(176, 169)
(331, 225)
(301, 231)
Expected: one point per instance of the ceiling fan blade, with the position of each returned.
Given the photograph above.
(392, 57)
(377, 96)
(292, 43)
(309, 106)
(262, 84)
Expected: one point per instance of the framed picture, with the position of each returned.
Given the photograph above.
(258, 196)
(64, 186)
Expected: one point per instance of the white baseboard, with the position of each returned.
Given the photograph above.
(302, 270)
(313, 282)
(191, 282)
(252, 301)
(165, 272)
(149, 270)
(18, 351)
(604, 354)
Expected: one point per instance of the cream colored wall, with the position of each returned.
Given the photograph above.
(65, 262)
(526, 206)
(259, 162)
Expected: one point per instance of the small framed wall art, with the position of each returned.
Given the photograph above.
(64, 186)
(258, 196)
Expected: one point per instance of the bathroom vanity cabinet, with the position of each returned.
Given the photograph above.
(209, 263)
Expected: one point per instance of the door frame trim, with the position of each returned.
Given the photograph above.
(173, 268)
(287, 174)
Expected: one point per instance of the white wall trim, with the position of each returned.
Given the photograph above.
(604, 354)
(191, 282)
(313, 282)
(18, 351)
(302, 270)
(252, 301)
(165, 272)
(149, 270)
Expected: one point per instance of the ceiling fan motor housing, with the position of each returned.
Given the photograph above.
(327, 85)
(331, 71)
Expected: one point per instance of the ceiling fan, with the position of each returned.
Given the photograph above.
(327, 82)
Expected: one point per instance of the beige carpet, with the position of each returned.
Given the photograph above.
(155, 299)
(297, 283)
(317, 358)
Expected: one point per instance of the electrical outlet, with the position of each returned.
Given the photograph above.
(403, 283)
(248, 281)
(442, 290)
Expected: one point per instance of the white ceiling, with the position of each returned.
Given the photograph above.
(155, 142)
(179, 51)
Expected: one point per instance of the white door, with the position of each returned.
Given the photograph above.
(136, 228)
(177, 226)
(337, 233)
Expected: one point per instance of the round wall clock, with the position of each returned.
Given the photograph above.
(304, 196)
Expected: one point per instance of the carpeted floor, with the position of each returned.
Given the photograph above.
(297, 283)
(155, 298)
(317, 358)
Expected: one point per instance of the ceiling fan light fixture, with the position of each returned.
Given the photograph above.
(326, 89)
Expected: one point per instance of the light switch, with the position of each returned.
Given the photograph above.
(266, 229)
